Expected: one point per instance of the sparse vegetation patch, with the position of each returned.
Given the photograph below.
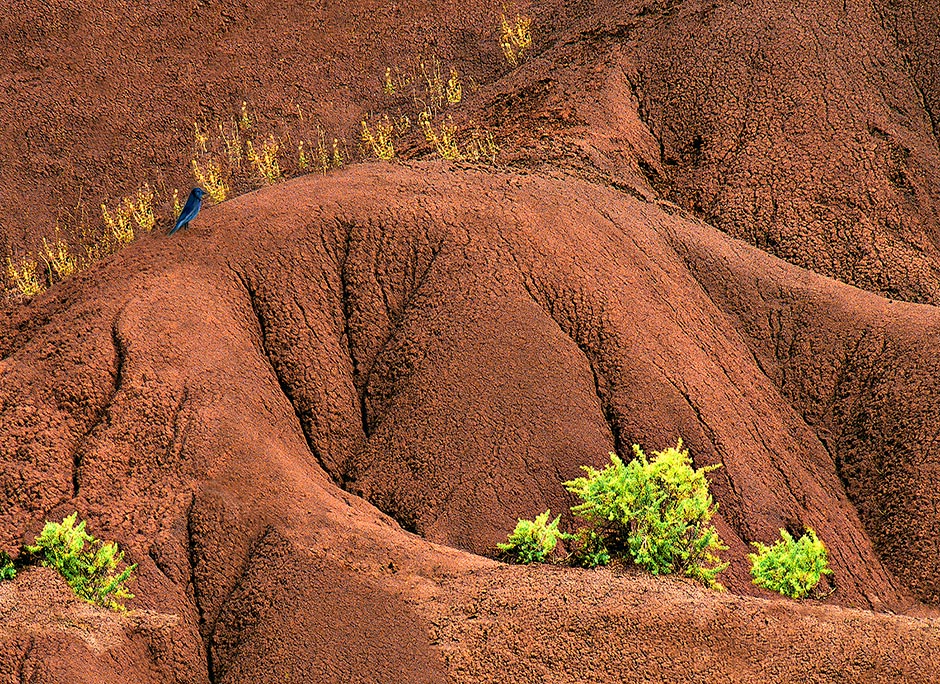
(227, 157)
(177, 205)
(133, 215)
(532, 541)
(443, 140)
(23, 277)
(319, 156)
(379, 138)
(89, 565)
(427, 95)
(235, 155)
(481, 147)
(263, 158)
(656, 513)
(60, 262)
(515, 36)
(212, 179)
(454, 90)
(790, 567)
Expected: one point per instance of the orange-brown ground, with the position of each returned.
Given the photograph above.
(305, 414)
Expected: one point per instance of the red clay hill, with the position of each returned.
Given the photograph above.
(306, 414)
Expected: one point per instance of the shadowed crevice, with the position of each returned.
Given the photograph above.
(364, 368)
(199, 556)
(24, 659)
(602, 387)
(178, 442)
(285, 388)
(218, 663)
(192, 557)
(347, 311)
(120, 359)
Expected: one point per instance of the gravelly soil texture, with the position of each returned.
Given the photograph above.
(237, 406)
(311, 415)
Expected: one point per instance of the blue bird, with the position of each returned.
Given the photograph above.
(193, 205)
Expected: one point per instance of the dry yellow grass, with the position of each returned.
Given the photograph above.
(141, 205)
(245, 120)
(226, 156)
(232, 141)
(202, 138)
(432, 95)
(388, 85)
(177, 205)
(444, 141)
(429, 84)
(132, 214)
(238, 155)
(433, 76)
(319, 157)
(60, 263)
(378, 138)
(212, 179)
(23, 277)
(263, 159)
(118, 224)
(515, 37)
(481, 147)
(454, 90)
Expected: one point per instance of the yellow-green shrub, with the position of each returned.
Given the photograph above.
(7, 569)
(789, 567)
(532, 541)
(87, 564)
(656, 513)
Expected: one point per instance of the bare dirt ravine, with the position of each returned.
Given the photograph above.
(310, 415)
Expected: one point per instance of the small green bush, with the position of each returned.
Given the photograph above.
(588, 548)
(86, 563)
(532, 541)
(7, 570)
(655, 513)
(792, 568)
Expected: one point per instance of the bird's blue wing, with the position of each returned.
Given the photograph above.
(188, 214)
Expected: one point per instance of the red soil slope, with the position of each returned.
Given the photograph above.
(206, 400)
(304, 415)
(811, 132)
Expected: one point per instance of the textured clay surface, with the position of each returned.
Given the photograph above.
(256, 409)
(310, 416)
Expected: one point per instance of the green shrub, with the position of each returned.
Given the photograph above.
(588, 548)
(86, 563)
(792, 568)
(532, 541)
(7, 571)
(655, 513)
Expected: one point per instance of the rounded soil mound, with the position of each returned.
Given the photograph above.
(257, 407)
